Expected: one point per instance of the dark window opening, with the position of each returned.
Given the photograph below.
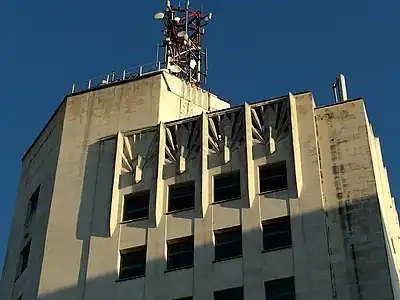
(133, 263)
(136, 206)
(277, 233)
(231, 294)
(180, 253)
(228, 243)
(24, 258)
(32, 207)
(280, 289)
(273, 177)
(181, 196)
(227, 186)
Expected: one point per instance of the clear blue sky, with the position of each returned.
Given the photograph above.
(258, 50)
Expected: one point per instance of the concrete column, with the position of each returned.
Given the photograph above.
(310, 250)
(115, 196)
(250, 220)
(156, 236)
(203, 234)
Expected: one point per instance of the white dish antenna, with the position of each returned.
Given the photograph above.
(183, 34)
(174, 68)
(159, 16)
(193, 64)
(177, 19)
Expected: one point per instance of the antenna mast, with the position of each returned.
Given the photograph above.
(183, 35)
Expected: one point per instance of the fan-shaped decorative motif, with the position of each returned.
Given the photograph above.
(270, 123)
(139, 150)
(182, 143)
(225, 133)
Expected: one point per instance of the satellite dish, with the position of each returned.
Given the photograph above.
(177, 19)
(193, 64)
(183, 34)
(174, 68)
(159, 16)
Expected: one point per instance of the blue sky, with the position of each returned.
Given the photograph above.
(258, 50)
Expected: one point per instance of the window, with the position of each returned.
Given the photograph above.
(280, 289)
(180, 253)
(227, 186)
(231, 294)
(32, 207)
(133, 263)
(181, 197)
(23, 258)
(277, 233)
(136, 206)
(228, 243)
(273, 177)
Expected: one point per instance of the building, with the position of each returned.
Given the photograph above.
(151, 188)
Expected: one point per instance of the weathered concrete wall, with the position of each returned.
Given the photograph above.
(181, 100)
(388, 211)
(81, 184)
(118, 140)
(312, 269)
(38, 169)
(356, 239)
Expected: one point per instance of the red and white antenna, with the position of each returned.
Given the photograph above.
(183, 36)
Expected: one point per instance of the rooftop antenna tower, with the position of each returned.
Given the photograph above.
(339, 89)
(183, 35)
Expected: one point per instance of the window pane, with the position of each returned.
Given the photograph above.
(136, 206)
(227, 186)
(229, 294)
(181, 197)
(277, 233)
(24, 258)
(32, 207)
(133, 263)
(180, 253)
(273, 177)
(280, 289)
(228, 243)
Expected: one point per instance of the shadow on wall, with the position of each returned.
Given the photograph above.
(345, 263)
(344, 248)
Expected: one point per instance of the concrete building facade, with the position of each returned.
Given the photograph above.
(154, 189)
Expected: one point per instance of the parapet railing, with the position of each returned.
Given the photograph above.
(116, 76)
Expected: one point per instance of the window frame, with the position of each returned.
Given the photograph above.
(131, 197)
(175, 243)
(287, 230)
(172, 201)
(283, 284)
(270, 167)
(220, 245)
(131, 251)
(221, 294)
(234, 174)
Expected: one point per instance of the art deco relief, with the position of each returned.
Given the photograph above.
(138, 151)
(182, 143)
(225, 133)
(270, 124)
